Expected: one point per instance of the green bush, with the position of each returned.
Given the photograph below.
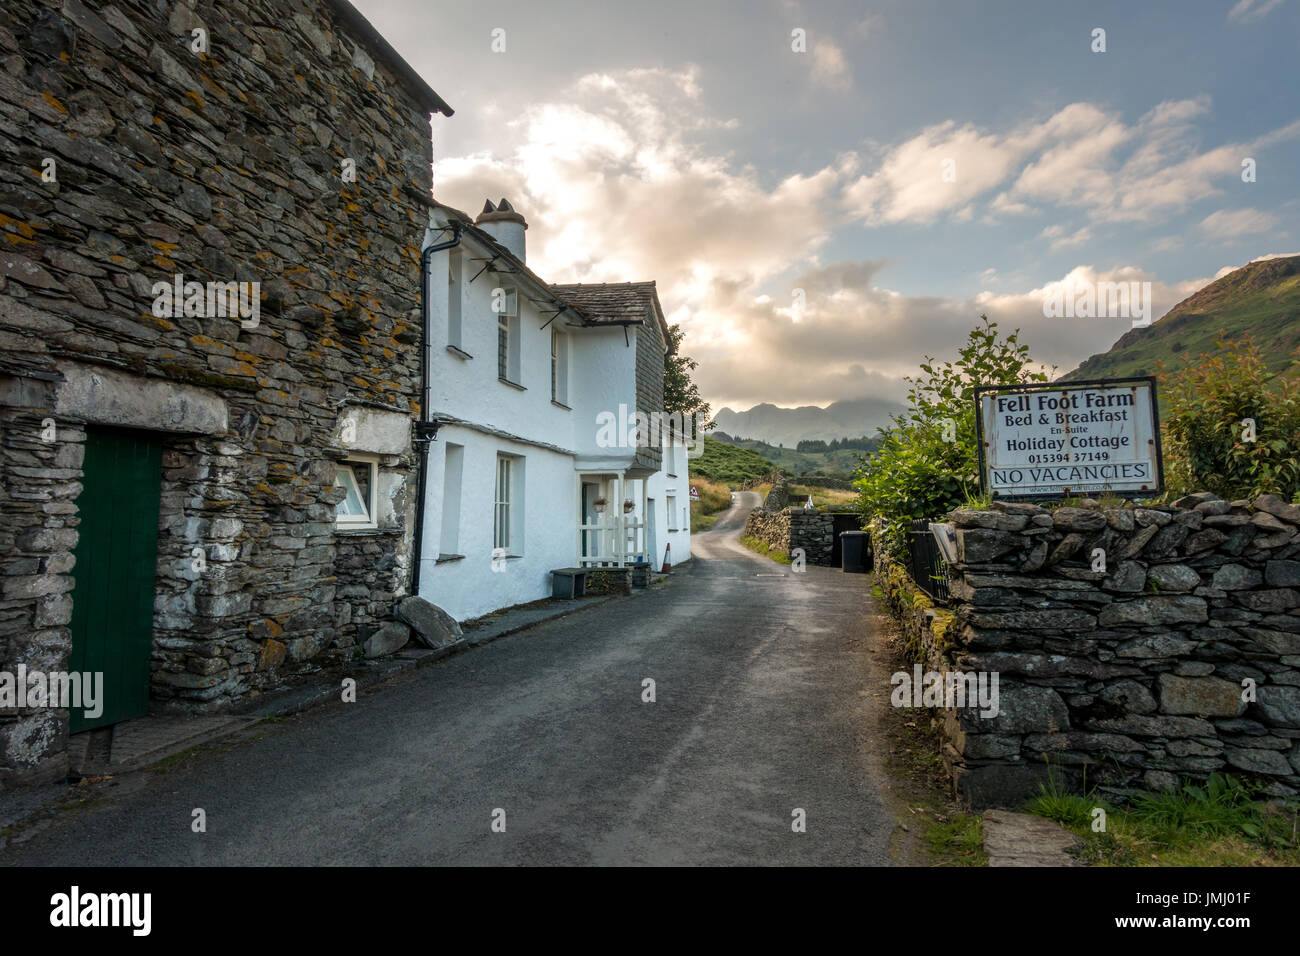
(918, 472)
(1205, 440)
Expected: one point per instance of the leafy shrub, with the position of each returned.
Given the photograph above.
(1205, 443)
(916, 472)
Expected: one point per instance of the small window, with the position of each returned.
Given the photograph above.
(503, 346)
(453, 469)
(505, 305)
(501, 523)
(672, 512)
(559, 368)
(454, 266)
(357, 478)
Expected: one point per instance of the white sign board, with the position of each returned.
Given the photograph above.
(1069, 440)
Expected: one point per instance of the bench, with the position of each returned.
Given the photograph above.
(568, 583)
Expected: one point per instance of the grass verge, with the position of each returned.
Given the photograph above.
(766, 550)
(1223, 823)
(701, 522)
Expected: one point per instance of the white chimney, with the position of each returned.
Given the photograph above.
(504, 225)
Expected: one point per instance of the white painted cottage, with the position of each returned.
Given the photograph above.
(534, 390)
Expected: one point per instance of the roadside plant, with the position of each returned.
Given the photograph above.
(1229, 426)
(927, 463)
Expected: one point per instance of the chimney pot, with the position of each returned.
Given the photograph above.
(505, 225)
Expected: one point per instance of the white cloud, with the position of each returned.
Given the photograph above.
(1250, 11)
(1081, 156)
(857, 338)
(829, 67)
(1233, 224)
(616, 187)
(1060, 240)
(910, 184)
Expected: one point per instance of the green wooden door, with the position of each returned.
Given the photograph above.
(117, 557)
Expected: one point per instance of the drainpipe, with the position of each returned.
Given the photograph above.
(426, 430)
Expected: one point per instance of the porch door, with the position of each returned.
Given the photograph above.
(590, 492)
(117, 557)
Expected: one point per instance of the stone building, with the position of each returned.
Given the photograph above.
(212, 217)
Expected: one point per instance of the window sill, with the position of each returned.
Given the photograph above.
(448, 558)
(561, 405)
(460, 353)
(506, 381)
(353, 531)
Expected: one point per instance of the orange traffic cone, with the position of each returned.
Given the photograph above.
(668, 559)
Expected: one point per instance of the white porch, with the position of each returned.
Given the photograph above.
(610, 534)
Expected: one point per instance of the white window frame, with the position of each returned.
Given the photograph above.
(503, 361)
(453, 477)
(455, 272)
(559, 367)
(502, 500)
(343, 475)
(672, 512)
(508, 322)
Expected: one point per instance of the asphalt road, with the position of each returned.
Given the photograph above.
(762, 706)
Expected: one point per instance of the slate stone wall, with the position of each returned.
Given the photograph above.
(794, 528)
(649, 387)
(1141, 644)
(224, 165)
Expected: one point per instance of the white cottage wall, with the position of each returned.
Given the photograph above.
(468, 586)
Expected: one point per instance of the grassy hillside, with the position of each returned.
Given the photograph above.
(1262, 299)
(728, 464)
(842, 462)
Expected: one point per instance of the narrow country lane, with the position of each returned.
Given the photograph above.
(762, 680)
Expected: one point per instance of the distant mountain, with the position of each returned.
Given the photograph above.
(789, 426)
(1262, 298)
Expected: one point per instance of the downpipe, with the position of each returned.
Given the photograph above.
(426, 429)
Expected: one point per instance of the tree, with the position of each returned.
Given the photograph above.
(927, 464)
(680, 393)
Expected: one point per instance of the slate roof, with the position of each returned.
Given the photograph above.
(593, 303)
(614, 303)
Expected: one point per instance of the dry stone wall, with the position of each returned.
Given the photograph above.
(1138, 644)
(791, 528)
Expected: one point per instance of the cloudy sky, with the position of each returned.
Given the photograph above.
(691, 143)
